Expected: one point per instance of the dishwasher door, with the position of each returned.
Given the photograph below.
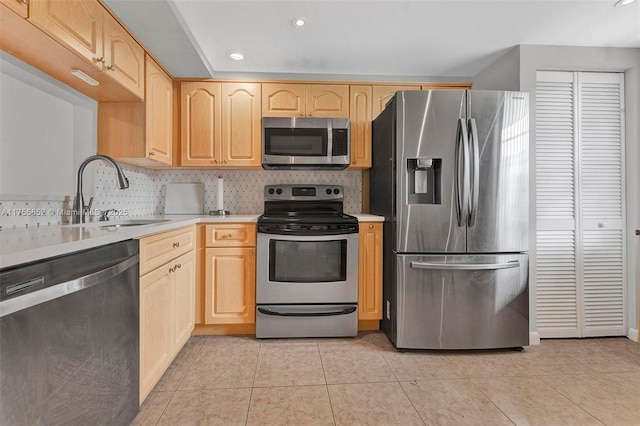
(69, 350)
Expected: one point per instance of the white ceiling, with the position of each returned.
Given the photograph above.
(394, 38)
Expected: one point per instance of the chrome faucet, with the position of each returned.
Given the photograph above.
(80, 209)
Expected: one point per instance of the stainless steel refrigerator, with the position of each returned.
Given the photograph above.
(450, 176)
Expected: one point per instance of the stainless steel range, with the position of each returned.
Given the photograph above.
(307, 272)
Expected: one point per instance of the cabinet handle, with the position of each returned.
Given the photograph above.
(24, 1)
(98, 60)
(225, 161)
(111, 67)
(179, 265)
(251, 253)
(171, 270)
(151, 153)
(602, 224)
(177, 244)
(370, 226)
(355, 161)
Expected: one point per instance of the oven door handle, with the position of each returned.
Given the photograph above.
(306, 232)
(345, 311)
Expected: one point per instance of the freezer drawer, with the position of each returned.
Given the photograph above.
(462, 301)
(306, 320)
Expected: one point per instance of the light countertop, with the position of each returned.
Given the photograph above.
(18, 246)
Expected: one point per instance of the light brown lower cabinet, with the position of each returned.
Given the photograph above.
(167, 311)
(230, 273)
(370, 271)
(230, 286)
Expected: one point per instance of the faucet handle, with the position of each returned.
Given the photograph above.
(89, 204)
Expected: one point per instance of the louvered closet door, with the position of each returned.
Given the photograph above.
(557, 292)
(579, 204)
(602, 187)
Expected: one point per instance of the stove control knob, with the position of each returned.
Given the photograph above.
(336, 191)
(271, 191)
(328, 191)
(279, 191)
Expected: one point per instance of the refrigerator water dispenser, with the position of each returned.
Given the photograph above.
(425, 180)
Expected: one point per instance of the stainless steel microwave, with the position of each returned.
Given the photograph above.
(309, 143)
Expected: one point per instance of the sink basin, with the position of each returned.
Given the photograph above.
(131, 222)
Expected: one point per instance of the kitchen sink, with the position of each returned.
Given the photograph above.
(131, 222)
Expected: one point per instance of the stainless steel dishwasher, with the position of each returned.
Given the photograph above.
(69, 345)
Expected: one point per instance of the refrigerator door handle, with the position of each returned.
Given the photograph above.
(465, 266)
(462, 196)
(475, 177)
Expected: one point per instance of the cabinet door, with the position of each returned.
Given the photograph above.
(184, 288)
(159, 113)
(370, 272)
(200, 123)
(75, 23)
(283, 100)
(123, 56)
(230, 286)
(21, 7)
(382, 94)
(360, 115)
(155, 327)
(327, 100)
(241, 125)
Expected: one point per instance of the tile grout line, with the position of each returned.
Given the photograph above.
(572, 401)
(490, 400)
(176, 390)
(400, 384)
(255, 372)
(326, 385)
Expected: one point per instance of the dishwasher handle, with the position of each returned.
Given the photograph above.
(465, 266)
(28, 300)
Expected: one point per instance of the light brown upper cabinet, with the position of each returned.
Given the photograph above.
(310, 100)
(360, 116)
(21, 7)
(86, 28)
(283, 100)
(220, 124)
(382, 94)
(159, 113)
(241, 125)
(138, 133)
(123, 56)
(201, 118)
(327, 100)
(74, 23)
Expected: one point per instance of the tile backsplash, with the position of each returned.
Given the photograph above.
(243, 193)
(243, 189)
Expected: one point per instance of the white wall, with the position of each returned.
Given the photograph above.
(46, 130)
(532, 58)
(503, 74)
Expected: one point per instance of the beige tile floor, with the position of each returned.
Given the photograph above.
(231, 380)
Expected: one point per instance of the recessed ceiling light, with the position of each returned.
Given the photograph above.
(624, 2)
(235, 55)
(299, 22)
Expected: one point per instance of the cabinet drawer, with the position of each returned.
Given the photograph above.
(230, 235)
(161, 248)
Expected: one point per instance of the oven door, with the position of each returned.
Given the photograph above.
(307, 269)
